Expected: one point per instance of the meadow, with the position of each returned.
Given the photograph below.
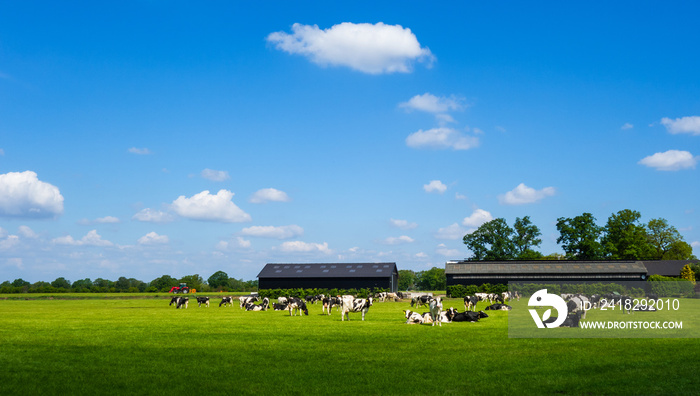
(142, 346)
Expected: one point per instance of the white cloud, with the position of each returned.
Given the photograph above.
(441, 138)
(689, 125)
(139, 151)
(208, 207)
(477, 218)
(269, 195)
(435, 186)
(27, 232)
(215, 175)
(22, 194)
(451, 232)
(461, 196)
(671, 160)
(9, 242)
(107, 220)
(368, 48)
(695, 244)
(445, 251)
(304, 247)
(92, 238)
(523, 194)
(153, 216)
(282, 232)
(627, 125)
(152, 238)
(420, 255)
(403, 239)
(403, 224)
(433, 104)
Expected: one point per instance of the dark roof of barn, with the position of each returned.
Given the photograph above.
(328, 270)
(544, 267)
(667, 267)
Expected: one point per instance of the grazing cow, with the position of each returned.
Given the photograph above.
(352, 304)
(183, 302)
(174, 301)
(393, 296)
(258, 307)
(330, 302)
(499, 307)
(311, 299)
(226, 301)
(436, 311)
(381, 297)
(203, 300)
(413, 317)
(470, 302)
(297, 305)
(469, 316)
(421, 300)
(485, 297)
(245, 300)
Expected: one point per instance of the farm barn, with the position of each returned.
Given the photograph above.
(329, 276)
(479, 272)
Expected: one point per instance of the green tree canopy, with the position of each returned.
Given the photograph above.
(492, 241)
(82, 284)
(61, 283)
(664, 239)
(193, 281)
(218, 279)
(164, 282)
(407, 279)
(432, 279)
(625, 238)
(580, 237)
(525, 238)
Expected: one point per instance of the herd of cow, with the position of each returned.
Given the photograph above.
(348, 303)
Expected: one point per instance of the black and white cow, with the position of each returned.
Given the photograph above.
(421, 300)
(498, 307)
(330, 302)
(226, 301)
(258, 307)
(282, 300)
(279, 307)
(470, 302)
(245, 300)
(469, 316)
(173, 301)
(412, 317)
(183, 302)
(352, 304)
(436, 311)
(297, 305)
(203, 300)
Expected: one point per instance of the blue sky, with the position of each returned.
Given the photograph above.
(148, 137)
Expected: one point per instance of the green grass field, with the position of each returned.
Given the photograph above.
(143, 346)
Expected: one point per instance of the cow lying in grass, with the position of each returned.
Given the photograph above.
(258, 307)
(412, 317)
(498, 307)
(469, 316)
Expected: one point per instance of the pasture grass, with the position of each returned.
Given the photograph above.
(143, 346)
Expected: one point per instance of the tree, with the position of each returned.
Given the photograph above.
(662, 236)
(20, 283)
(679, 250)
(407, 279)
(82, 284)
(164, 283)
(61, 283)
(579, 237)
(526, 236)
(193, 281)
(491, 241)
(625, 238)
(432, 279)
(218, 279)
(687, 273)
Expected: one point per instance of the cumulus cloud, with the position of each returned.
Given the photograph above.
(9, 242)
(441, 138)
(207, 207)
(523, 194)
(433, 104)
(435, 186)
(281, 232)
(671, 160)
(107, 220)
(627, 125)
(22, 194)
(451, 232)
(403, 224)
(92, 238)
(139, 151)
(215, 175)
(477, 218)
(368, 48)
(269, 195)
(304, 247)
(443, 250)
(153, 216)
(27, 232)
(152, 238)
(403, 239)
(689, 125)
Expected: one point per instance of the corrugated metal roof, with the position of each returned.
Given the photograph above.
(543, 267)
(328, 270)
(667, 267)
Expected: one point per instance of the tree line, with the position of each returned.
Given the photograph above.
(219, 281)
(623, 237)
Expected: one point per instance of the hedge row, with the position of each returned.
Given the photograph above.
(301, 293)
(665, 286)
